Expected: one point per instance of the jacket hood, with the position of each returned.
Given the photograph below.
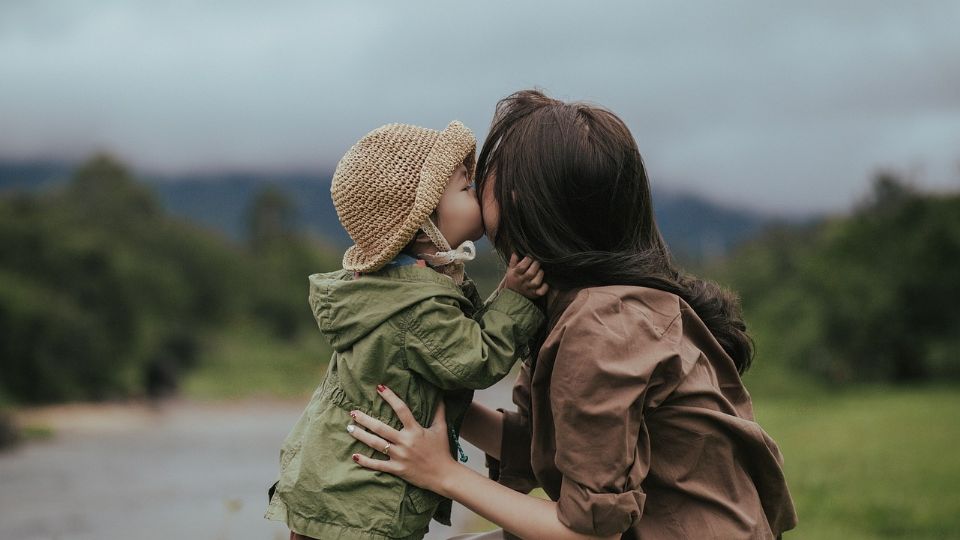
(347, 309)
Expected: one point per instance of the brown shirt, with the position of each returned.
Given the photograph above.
(635, 420)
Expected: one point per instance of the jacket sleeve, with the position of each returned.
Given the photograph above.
(608, 362)
(453, 351)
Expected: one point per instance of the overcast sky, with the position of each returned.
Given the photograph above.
(787, 108)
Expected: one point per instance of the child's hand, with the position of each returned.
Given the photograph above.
(525, 277)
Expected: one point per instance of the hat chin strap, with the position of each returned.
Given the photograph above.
(447, 260)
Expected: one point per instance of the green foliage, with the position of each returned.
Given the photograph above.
(282, 260)
(102, 295)
(54, 348)
(271, 217)
(865, 297)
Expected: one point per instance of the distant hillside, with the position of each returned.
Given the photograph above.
(697, 228)
(32, 175)
(694, 227)
(220, 201)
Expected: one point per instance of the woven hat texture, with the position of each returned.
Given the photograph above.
(387, 185)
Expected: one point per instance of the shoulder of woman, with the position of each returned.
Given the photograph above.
(620, 335)
(628, 310)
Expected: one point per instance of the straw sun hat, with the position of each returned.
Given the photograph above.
(387, 185)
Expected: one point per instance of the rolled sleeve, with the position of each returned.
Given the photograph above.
(605, 370)
(585, 510)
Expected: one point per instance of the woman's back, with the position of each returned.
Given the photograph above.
(634, 418)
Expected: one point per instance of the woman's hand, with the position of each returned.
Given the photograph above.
(417, 454)
(422, 457)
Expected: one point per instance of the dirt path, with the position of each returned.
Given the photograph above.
(183, 470)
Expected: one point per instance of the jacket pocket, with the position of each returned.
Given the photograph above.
(285, 479)
(421, 501)
(287, 455)
(416, 510)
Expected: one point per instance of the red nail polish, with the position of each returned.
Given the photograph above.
(356, 458)
(353, 414)
(381, 388)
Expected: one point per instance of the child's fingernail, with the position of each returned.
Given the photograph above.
(350, 428)
(356, 458)
(353, 414)
(381, 388)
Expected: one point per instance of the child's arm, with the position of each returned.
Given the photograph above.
(451, 350)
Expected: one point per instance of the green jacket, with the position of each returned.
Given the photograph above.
(410, 328)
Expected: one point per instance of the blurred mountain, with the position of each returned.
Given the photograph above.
(31, 175)
(221, 201)
(696, 228)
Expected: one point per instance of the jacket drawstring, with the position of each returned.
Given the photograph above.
(456, 440)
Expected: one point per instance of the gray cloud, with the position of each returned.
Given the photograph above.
(788, 108)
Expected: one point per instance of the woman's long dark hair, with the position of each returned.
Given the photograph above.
(574, 194)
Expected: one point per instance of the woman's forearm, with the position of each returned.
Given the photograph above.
(483, 428)
(526, 516)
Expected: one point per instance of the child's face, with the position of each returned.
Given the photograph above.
(458, 214)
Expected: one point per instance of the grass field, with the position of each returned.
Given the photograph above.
(246, 362)
(871, 462)
(864, 462)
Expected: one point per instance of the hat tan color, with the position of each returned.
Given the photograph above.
(387, 185)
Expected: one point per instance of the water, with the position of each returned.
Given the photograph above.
(181, 470)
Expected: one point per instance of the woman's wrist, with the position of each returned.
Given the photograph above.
(451, 476)
(524, 515)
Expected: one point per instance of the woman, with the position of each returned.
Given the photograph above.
(631, 413)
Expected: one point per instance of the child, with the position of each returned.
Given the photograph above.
(401, 313)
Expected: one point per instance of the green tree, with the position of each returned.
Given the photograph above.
(103, 295)
(271, 218)
(868, 296)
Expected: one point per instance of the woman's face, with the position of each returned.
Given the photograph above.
(458, 214)
(491, 210)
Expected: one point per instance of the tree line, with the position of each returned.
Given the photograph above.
(104, 295)
(871, 295)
